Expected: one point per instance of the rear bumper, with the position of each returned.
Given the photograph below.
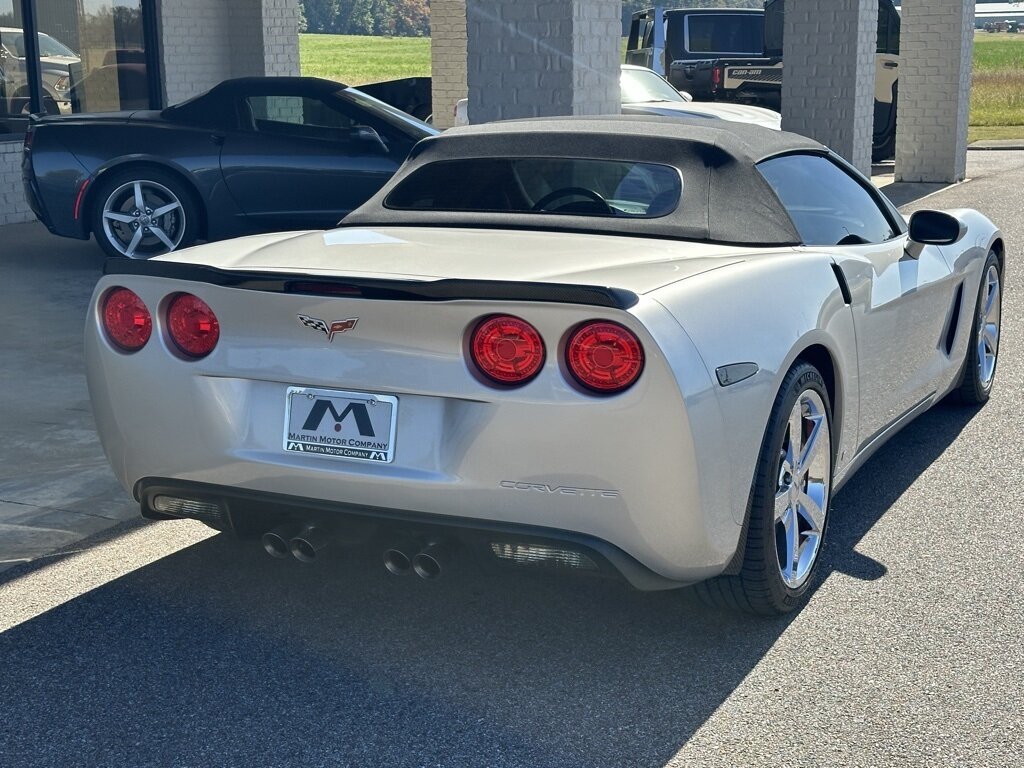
(253, 512)
(646, 471)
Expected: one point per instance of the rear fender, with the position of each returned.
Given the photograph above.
(134, 161)
(769, 311)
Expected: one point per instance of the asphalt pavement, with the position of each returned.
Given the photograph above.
(166, 645)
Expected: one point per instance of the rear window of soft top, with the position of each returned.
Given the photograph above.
(573, 186)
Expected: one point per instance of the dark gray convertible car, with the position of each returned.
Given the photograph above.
(250, 155)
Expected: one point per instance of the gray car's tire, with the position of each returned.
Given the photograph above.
(983, 346)
(167, 220)
(780, 563)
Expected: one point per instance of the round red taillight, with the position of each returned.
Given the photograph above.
(507, 350)
(604, 357)
(193, 326)
(126, 320)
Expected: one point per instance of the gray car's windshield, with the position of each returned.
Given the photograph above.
(640, 85)
(396, 117)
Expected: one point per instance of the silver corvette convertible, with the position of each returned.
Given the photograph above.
(544, 346)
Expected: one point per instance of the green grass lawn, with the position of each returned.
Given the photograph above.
(356, 60)
(997, 98)
(997, 95)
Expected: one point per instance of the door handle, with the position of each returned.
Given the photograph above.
(890, 64)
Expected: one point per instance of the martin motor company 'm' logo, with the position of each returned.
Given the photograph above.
(322, 407)
(338, 326)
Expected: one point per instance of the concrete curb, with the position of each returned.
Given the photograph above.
(997, 144)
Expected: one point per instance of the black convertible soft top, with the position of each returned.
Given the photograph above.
(726, 200)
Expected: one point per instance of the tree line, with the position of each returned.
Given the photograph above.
(399, 18)
(411, 18)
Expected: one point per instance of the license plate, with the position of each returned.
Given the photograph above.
(357, 426)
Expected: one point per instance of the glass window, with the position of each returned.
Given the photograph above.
(827, 205)
(541, 185)
(92, 58)
(724, 33)
(640, 85)
(888, 30)
(109, 70)
(14, 99)
(299, 117)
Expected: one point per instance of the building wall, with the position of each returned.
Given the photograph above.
(13, 207)
(829, 82)
(447, 59)
(936, 50)
(280, 37)
(205, 42)
(543, 58)
(195, 53)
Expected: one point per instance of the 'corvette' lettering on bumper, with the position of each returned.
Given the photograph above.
(564, 490)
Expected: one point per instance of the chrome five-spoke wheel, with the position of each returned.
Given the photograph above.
(979, 371)
(143, 218)
(989, 310)
(789, 502)
(801, 498)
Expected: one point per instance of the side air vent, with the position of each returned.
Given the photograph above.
(954, 319)
(844, 287)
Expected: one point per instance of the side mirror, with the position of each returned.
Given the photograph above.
(364, 134)
(935, 228)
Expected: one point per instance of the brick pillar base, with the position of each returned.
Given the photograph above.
(936, 46)
(828, 81)
(537, 58)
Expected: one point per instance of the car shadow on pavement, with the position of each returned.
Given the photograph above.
(219, 655)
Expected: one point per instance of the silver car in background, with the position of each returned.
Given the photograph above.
(645, 92)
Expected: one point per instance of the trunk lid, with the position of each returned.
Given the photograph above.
(427, 254)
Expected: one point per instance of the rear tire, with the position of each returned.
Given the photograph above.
(789, 502)
(143, 211)
(983, 347)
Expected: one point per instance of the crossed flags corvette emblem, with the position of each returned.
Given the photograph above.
(338, 326)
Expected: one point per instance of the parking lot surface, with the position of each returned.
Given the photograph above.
(166, 645)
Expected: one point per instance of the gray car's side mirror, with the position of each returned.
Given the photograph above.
(935, 228)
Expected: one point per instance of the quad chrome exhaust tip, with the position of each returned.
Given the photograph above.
(431, 560)
(277, 542)
(397, 559)
(306, 545)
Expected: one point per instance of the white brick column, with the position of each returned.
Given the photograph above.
(936, 49)
(280, 38)
(203, 42)
(536, 58)
(828, 81)
(447, 59)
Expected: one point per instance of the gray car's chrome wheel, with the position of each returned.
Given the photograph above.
(979, 372)
(801, 499)
(143, 218)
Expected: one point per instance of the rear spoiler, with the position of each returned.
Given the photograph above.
(374, 288)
